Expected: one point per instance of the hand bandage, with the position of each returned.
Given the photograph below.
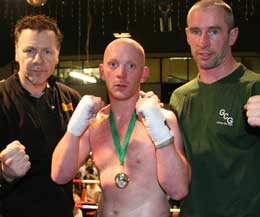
(81, 116)
(155, 123)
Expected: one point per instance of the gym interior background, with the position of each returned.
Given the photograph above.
(159, 25)
(88, 26)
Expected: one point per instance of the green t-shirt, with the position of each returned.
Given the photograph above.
(223, 150)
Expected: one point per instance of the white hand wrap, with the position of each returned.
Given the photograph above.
(155, 123)
(81, 116)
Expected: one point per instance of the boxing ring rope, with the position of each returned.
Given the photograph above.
(95, 207)
(88, 206)
(86, 181)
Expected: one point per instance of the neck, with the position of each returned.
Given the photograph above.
(223, 70)
(123, 108)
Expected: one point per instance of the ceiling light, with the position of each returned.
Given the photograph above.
(83, 77)
(180, 58)
(122, 35)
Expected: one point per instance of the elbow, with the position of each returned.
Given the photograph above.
(59, 179)
(180, 193)
(58, 175)
(182, 189)
(179, 190)
(176, 191)
(55, 178)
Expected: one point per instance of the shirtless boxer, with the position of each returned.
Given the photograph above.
(137, 181)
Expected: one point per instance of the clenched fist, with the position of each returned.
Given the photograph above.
(253, 111)
(14, 161)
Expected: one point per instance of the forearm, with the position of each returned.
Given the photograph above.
(65, 159)
(172, 169)
(174, 173)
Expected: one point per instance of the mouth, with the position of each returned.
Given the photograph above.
(38, 71)
(37, 68)
(120, 86)
(204, 55)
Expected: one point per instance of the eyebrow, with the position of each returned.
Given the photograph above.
(210, 28)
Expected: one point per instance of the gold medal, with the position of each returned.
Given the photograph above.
(121, 180)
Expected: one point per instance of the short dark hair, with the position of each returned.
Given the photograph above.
(39, 23)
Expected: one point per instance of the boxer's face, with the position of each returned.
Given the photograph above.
(122, 70)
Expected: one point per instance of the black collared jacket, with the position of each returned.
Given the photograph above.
(39, 124)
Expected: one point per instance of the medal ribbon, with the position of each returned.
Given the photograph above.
(121, 151)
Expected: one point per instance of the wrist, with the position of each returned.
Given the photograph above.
(165, 143)
(6, 178)
(77, 127)
(81, 117)
(3, 176)
(6, 184)
(161, 135)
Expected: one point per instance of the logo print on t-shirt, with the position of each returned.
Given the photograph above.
(226, 118)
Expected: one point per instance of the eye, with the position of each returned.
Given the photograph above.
(113, 64)
(131, 66)
(195, 31)
(213, 31)
(28, 50)
(48, 51)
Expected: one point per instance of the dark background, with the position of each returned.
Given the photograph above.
(94, 21)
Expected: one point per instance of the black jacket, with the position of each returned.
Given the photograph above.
(39, 124)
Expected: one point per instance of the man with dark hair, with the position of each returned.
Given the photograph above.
(34, 112)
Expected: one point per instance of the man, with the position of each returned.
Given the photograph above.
(34, 112)
(217, 113)
(138, 163)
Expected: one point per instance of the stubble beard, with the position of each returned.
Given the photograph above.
(213, 62)
(35, 79)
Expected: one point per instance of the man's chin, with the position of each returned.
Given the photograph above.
(120, 96)
(36, 81)
(206, 65)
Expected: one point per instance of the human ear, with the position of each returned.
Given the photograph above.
(101, 71)
(233, 36)
(146, 72)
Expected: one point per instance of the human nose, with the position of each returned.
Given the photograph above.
(121, 71)
(37, 58)
(204, 40)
